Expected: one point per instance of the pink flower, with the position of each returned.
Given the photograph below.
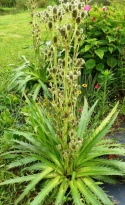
(87, 8)
(97, 86)
(104, 8)
(94, 19)
(79, 109)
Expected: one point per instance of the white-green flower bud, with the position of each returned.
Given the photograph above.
(55, 39)
(79, 73)
(54, 10)
(69, 27)
(79, 6)
(70, 7)
(77, 33)
(50, 25)
(49, 8)
(54, 70)
(62, 32)
(82, 14)
(70, 73)
(74, 13)
(79, 39)
(78, 19)
(74, 77)
(60, 61)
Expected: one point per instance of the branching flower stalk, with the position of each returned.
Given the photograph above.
(36, 32)
(64, 71)
(66, 96)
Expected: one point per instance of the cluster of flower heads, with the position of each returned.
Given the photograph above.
(64, 66)
(36, 31)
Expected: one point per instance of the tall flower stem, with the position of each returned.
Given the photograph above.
(75, 42)
(104, 96)
(55, 67)
(66, 95)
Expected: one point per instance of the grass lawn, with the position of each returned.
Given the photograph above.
(15, 41)
(15, 35)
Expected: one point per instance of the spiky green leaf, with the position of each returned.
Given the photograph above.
(61, 192)
(75, 193)
(45, 191)
(19, 179)
(99, 133)
(90, 198)
(22, 161)
(33, 184)
(85, 117)
(96, 190)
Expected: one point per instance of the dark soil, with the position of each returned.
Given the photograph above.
(118, 190)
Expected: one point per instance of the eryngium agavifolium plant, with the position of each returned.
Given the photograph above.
(59, 157)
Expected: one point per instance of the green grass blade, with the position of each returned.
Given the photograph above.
(85, 117)
(44, 87)
(113, 164)
(35, 167)
(96, 190)
(29, 136)
(61, 193)
(32, 184)
(28, 146)
(98, 170)
(41, 122)
(19, 179)
(36, 92)
(107, 179)
(89, 196)
(101, 151)
(75, 193)
(45, 191)
(97, 135)
(22, 161)
(45, 120)
(118, 164)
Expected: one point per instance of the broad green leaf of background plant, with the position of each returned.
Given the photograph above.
(111, 38)
(99, 53)
(87, 47)
(111, 49)
(90, 64)
(112, 62)
(100, 67)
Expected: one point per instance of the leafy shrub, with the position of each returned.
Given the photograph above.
(103, 46)
(45, 3)
(7, 3)
(21, 4)
(42, 3)
(100, 2)
(30, 79)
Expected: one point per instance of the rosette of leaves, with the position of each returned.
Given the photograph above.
(28, 79)
(57, 173)
(32, 77)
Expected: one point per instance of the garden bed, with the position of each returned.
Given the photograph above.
(117, 190)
